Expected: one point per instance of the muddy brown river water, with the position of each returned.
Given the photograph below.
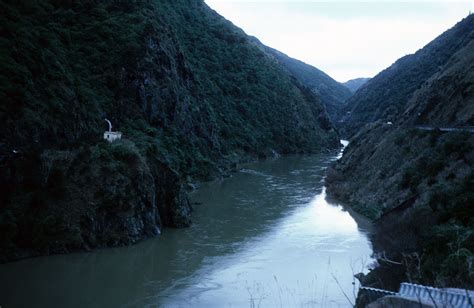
(265, 237)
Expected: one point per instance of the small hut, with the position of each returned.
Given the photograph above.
(111, 136)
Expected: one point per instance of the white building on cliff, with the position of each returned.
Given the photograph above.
(111, 136)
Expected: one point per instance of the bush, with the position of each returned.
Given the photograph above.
(410, 179)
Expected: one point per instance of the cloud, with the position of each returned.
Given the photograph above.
(346, 40)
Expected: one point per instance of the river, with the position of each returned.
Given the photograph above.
(265, 237)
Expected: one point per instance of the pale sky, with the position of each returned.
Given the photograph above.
(345, 39)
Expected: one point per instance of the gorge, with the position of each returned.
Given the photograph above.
(227, 176)
(409, 173)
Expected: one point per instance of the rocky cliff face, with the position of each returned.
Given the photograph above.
(191, 95)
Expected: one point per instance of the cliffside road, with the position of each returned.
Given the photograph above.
(469, 129)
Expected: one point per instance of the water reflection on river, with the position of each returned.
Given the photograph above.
(264, 237)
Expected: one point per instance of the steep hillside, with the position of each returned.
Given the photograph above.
(385, 97)
(447, 98)
(191, 95)
(354, 84)
(332, 93)
(417, 187)
(417, 183)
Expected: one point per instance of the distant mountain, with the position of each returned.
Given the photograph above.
(386, 96)
(354, 84)
(332, 93)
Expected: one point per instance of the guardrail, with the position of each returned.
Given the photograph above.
(455, 298)
(447, 298)
(469, 129)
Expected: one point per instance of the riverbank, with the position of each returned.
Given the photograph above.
(416, 185)
(247, 232)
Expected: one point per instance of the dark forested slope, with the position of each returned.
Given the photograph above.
(332, 93)
(418, 184)
(385, 97)
(447, 98)
(191, 95)
(354, 84)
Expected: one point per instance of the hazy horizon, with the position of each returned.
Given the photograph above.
(346, 40)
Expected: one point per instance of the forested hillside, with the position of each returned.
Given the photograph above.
(385, 97)
(447, 98)
(332, 93)
(417, 187)
(413, 179)
(354, 84)
(188, 90)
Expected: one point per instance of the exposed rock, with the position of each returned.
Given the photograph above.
(191, 94)
(399, 302)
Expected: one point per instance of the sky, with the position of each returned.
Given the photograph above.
(346, 39)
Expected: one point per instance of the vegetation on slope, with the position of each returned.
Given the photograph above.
(417, 186)
(446, 99)
(385, 96)
(189, 91)
(354, 84)
(332, 93)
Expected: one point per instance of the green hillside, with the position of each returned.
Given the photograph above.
(191, 95)
(385, 97)
(354, 84)
(413, 179)
(332, 93)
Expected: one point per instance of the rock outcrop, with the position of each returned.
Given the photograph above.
(188, 90)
